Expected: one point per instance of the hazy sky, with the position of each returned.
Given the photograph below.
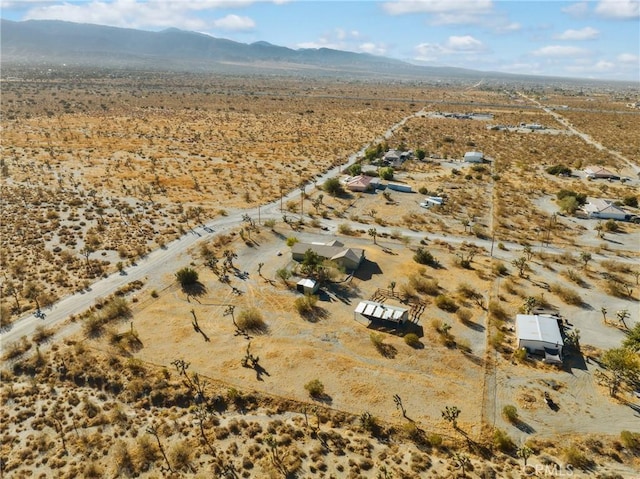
(586, 39)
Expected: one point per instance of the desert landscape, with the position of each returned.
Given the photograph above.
(153, 324)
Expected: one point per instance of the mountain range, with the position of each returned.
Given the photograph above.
(53, 42)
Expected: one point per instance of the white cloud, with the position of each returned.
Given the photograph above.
(234, 23)
(143, 13)
(443, 12)
(618, 9)
(455, 45)
(372, 48)
(628, 58)
(559, 51)
(464, 43)
(601, 66)
(579, 10)
(586, 33)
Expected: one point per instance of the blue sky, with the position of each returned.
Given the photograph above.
(585, 39)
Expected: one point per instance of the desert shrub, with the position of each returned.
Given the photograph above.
(446, 303)
(333, 186)
(154, 293)
(423, 256)
(291, 240)
(369, 422)
(93, 326)
(497, 311)
(510, 413)
(615, 266)
(464, 315)
(117, 308)
(503, 442)
(520, 355)
(467, 291)
(435, 440)
(377, 340)
(568, 295)
(423, 285)
(611, 226)
(631, 201)
(306, 304)
(251, 320)
(573, 276)
(180, 456)
(386, 173)
(630, 440)
(558, 170)
(187, 277)
(573, 455)
(345, 229)
(315, 388)
(93, 471)
(500, 269)
(464, 345)
(270, 223)
(412, 340)
(479, 231)
(581, 198)
(497, 339)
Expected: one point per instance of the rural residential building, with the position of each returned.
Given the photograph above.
(380, 311)
(396, 158)
(348, 258)
(474, 157)
(595, 171)
(604, 209)
(359, 183)
(540, 334)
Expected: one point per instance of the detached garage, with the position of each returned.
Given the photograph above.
(540, 334)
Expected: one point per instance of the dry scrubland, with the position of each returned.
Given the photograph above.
(96, 172)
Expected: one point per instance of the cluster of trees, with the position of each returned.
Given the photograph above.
(569, 201)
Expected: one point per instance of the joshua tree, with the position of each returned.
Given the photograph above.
(528, 252)
(398, 401)
(228, 311)
(461, 461)
(450, 414)
(525, 453)
(521, 264)
(622, 315)
(585, 258)
(373, 233)
(154, 432)
(392, 286)
(603, 310)
(260, 265)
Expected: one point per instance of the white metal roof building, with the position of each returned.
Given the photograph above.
(374, 310)
(474, 157)
(540, 334)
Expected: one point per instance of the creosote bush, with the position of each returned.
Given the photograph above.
(315, 388)
(251, 320)
(446, 303)
(412, 340)
(510, 413)
(187, 277)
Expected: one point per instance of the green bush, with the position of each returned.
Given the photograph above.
(446, 303)
(187, 277)
(412, 340)
(333, 187)
(306, 304)
(503, 442)
(251, 320)
(631, 201)
(630, 440)
(386, 173)
(573, 455)
(581, 198)
(315, 388)
(510, 413)
(345, 229)
(558, 170)
(423, 256)
(291, 240)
